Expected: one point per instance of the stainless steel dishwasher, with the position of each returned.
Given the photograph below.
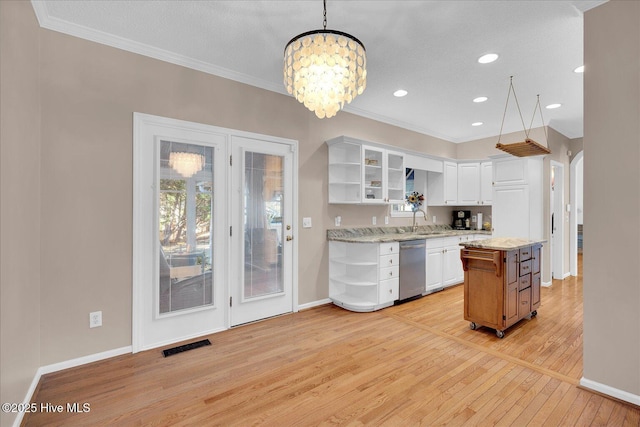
(413, 274)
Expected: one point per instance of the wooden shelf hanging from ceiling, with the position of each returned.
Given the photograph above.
(524, 149)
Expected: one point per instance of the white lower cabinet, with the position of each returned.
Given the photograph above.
(444, 267)
(364, 276)
(435, 256)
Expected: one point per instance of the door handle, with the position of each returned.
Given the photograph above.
(289, 238)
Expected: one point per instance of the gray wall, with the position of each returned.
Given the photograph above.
(19, 202)
(612, 195)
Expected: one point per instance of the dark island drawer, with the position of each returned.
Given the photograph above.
(525, 282)
(525, 268)
(525, 253)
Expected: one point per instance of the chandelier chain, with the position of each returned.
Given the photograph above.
(324, 21)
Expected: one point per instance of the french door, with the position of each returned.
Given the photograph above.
(262, 229)
(212, 237)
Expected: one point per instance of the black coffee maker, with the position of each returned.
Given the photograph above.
(461, 220)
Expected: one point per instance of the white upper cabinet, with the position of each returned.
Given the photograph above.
(486, 183)
(466, 183)
(442, 188)
(450, 183)
(383, 175)
(345, 172)
(517, 197)
(364, 174)
(510, 171)
(469, 183)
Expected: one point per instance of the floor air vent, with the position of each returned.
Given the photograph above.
(175, 350)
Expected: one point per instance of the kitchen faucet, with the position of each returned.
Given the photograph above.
(414, 227)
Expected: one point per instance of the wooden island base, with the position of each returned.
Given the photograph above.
(501, 282)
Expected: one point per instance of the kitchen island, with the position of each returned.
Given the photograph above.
(501, 281)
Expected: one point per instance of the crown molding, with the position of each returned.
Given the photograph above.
(54, 24)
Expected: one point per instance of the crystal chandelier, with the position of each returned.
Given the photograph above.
(323, 69)
(186, 164)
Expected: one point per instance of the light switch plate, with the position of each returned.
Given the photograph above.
(306, 222)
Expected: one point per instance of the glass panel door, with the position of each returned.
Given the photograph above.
(185, 227)
(263, 247)
(263, 233)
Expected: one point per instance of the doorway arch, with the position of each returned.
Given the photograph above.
(576, 171)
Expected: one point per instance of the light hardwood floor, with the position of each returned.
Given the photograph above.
(413, 364)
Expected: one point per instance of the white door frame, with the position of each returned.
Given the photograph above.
(573, 215)
(557, 244)
(141, 228)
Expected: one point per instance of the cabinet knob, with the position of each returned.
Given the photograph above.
(391, 274)
(391, 261)
(390, 291)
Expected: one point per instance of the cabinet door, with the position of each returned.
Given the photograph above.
(434, 269)
(524, 302)
(535, 291)
(469, 184)
(536, 253)
(486, 180)
(452, 272)
(511, 213)
(510, 172)
(395, 177)
(389, 291)
(511, 304)
(372, 175)
(450, 183)
(511, 268)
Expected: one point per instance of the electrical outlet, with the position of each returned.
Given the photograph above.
(374, 220)
(95, 319)
(434, 219)
(386, 220)
(338, 221)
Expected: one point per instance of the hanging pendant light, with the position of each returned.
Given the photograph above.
(323, 69)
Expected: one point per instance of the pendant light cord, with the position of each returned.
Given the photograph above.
(539, 108)
(511, 89)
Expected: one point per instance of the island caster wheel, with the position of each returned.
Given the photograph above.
(534, 313)
(473, 326)
(500, 334)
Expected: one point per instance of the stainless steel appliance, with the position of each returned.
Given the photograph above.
(461, 220)
(413, 275)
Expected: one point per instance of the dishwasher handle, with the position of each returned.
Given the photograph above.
(412, 246)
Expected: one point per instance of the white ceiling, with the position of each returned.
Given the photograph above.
(429, 48)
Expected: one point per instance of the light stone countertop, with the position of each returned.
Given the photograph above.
(396, 234)
(501, 243)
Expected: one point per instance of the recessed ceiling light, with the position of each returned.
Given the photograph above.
(580, 69)
(400, 93)
(552, 106)
(489, 57)
(480, 99)
(477, 124)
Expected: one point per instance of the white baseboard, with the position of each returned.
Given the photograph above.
(610, 391)
(314, 304)
(546, 284)
(43, 370)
